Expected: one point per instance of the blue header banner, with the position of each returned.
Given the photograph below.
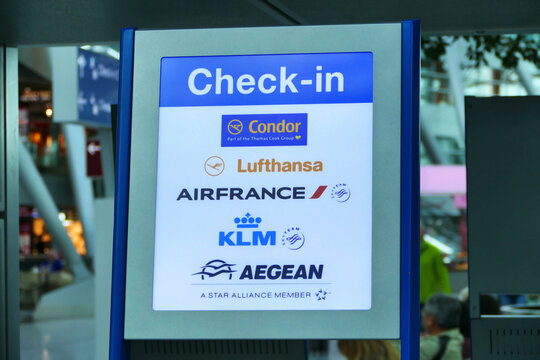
(267, 79)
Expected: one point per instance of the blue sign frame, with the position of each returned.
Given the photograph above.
(410, 245)
(410, 190)
(118, 346)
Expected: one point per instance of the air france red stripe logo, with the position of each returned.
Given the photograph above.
(320, 190)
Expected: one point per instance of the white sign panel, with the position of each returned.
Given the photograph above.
(264, 183)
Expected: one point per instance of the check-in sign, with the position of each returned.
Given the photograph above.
(264, 184)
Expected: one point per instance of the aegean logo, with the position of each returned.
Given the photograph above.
(215, 268)
(283, 272)
(263, 272)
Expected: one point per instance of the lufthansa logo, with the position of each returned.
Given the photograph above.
(235, 127)
(214, 165)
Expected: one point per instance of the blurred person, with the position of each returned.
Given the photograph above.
(441, 318)
(368, 350)
(465, 329)
(433, 273)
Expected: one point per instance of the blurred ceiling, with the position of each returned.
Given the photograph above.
(54, 22)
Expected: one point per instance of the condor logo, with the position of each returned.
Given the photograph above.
(264, 130)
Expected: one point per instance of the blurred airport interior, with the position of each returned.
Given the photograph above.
(66, 123)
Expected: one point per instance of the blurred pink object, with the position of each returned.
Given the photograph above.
(443, 179)
(460, 201)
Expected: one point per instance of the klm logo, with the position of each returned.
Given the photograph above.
(242, 237)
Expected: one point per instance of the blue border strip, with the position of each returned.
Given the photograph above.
(410, 190)
(118, 347)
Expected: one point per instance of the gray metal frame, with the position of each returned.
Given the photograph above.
(383, 320)
(9, 212)
(503, 173)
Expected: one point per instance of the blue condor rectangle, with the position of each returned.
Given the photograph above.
(326, 78)
(264, 130)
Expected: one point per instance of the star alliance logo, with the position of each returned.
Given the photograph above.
(321, 295)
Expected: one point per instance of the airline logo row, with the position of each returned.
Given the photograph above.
(339, 192)
(215, 166)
